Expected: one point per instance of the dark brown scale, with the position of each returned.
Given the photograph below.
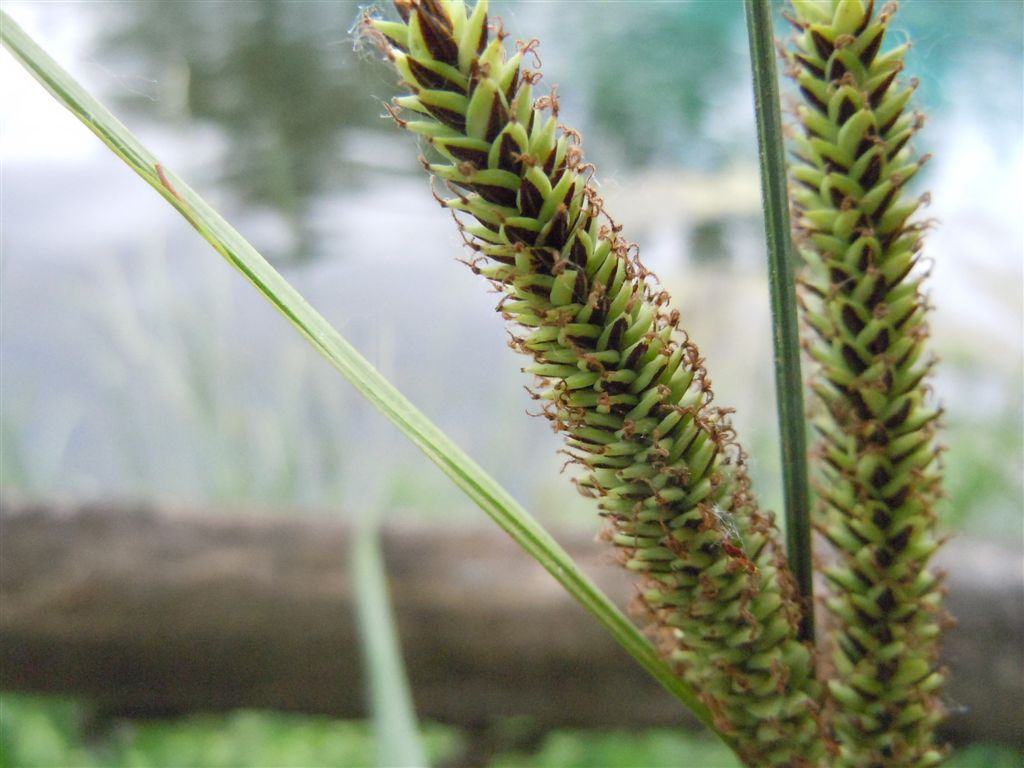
(530, 199)
(836, 68)
(899, 278)
(899, 498)
(403, 9)
(838, 276)
(535, 289)
(872, 173)
(621, 409)
(880, 343)
(544, 259)
(549, 165)
(853, 360)
(861, 577)
(865, 144)
(492, 193)
(891, 153)
(878, 436)
(867, 18)
(435, 9)
(859, 651)
(822, 44)
(900, 322)
(520, 234)
(881, 519)
(883, 206)
(597, 316)
(489, 225)
(449, 117)
(876, 96)
(437, 37)
(428, 78)
(580, 289)
(886, 669)
(867, 254)
(871, 49)
(509, 155)
(477, 157)
(916, 379)
(859, 405)
(513, 84)
(614, 387)
(903, 359)
(497, 120)
(615, 337)
(578, 253)
(833, 167)
(880, 477)
(634, 357)
(864, 619)
(480, 46)
(884, 557)
(888, 126)
(878, 293)
(502, 258)
(816, 102)
(810, 66)
(836, 195)
(559, 231)
(896, 420)
(899, 542)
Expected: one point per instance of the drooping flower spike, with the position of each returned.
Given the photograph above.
(864, 314)
(616, 375)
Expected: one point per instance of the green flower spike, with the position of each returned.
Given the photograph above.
(616, 376)
(864, 311)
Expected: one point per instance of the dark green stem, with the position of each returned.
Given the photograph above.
(788, 380)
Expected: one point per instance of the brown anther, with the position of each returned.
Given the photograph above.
(530, 47)
(394, 111)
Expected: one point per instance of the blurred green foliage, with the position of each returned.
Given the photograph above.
(46, 732)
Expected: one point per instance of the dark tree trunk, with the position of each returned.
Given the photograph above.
(153, 612)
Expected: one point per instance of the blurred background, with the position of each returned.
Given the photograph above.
(138, 366)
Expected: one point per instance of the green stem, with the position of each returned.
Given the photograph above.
(464, 472)
(785, 330)
(394, 717)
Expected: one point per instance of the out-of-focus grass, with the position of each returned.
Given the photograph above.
(47, 732)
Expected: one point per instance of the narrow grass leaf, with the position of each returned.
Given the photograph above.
(394, 717)
(491, 497)
(785, 325)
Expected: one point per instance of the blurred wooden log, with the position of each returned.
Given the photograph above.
(162, 612)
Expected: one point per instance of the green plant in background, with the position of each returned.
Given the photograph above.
(616, 376)
(629, 390)
(864, 310)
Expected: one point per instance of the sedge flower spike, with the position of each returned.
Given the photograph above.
(864, 314)
(616, 375)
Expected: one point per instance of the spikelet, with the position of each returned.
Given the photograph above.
(864, 316)
(616, 376)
